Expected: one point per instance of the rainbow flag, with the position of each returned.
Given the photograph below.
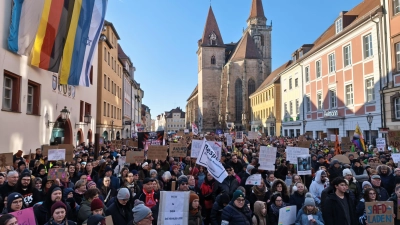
(358, 139)
(83, 35)
(50, 37)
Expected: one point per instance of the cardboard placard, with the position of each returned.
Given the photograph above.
(374, 165)
(304, 144)
(109, 220)
(353, 153)
(135, 156)
(45, 149)
(59, 173)
(302, 138)
(69, 151)
(342, 158)
(394, 138)
(157, 152)
(6, 159)
(345, 139)
(379, 213)
(134, 144)
(178, 150)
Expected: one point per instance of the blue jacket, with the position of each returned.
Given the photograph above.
(302, 218)
(233, 215)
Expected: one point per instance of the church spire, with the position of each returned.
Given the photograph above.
(257, 10)
(211, 34)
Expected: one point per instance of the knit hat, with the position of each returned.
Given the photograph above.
(366, 183)
(224, 198)
(320, 157)
(20, 163)
(237, 194)
(11, 197)
(249, 168)
(89, 184)
(193, 196)
(123, 193)
(108, 169)
(134, 172)
(309, 200)
(346, 172)
(67, 191)
(57, 205)
(182, 179)
(153, 171)
(145, 164)
(175, 167)
(96, 204)
(96, 220)
(147, 180)
(140, 211)
(25, 173)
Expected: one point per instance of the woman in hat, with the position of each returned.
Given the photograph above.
(237, 212)
(142, 215)
(195, 217)
(260, 213)
(309, 211)
(259, 193)
(59, 215)
(8, 219)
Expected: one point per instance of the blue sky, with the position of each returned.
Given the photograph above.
(160, 37)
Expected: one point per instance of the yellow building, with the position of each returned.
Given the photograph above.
(265, 104)
(109, 86)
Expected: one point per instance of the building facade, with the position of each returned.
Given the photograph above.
(32, 100)
(235, 69)
(145, 119)
(175, 120)
(109, 87)
(159, 123)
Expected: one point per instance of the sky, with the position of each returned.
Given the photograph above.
(160, 37)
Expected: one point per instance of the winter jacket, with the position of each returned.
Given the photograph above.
(253, 198)
(382, 194)
(228, 185)
(317, 187)
(302, 218)
(394, 200)
(120, 214)
(196, 219)
(216, 212)
(207, 193)
(387, 180)
(235, 216)
(297, 200)
(68, 222)
(362, 176)
(335, 172)
(333, 212)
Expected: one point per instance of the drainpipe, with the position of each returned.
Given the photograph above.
(387, 68)
(302, 95)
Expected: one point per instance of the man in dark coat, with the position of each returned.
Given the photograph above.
(150, 197)
(338, 206)
(228, 185)
(121, 209)
(25, 187)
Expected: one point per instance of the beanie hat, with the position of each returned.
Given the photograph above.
(249, 168)
(96, 204)
(56, 189)
(25, 173)
(224, 198)
(134, 172)
(95, 220)
(123, 193)
(175, 167)
(57, 205)
(20, 163)
(140, 211)
(182, 179)
(346, 172)
(237, 194)
(67, 191)
(153, 171)
(193, 196)
(11, 197)
(320, 157)
(145, 164)
(366, 183)
(108, 169)
(90, 183)
(309, 200)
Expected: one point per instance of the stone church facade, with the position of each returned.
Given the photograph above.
(229, 73)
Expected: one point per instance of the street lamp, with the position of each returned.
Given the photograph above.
(369, 120)
(64, 116)
(87, 119)
(304, 126)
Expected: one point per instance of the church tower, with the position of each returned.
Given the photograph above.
(261, 33)
(211, 59)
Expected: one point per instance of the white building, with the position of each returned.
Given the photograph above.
(160, 122)
(36, 98)
(175, 120)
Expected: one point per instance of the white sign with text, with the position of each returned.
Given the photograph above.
(293, 152)
(267, 158)
(174, 208)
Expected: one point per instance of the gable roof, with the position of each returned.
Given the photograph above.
(257, 9)
(194, 92)
(210, 27)
(246, 49)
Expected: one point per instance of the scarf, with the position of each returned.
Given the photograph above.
(52, 222)
(150, 202)
(79, 192)
(275, 209)
(259, 192)
(193, 212)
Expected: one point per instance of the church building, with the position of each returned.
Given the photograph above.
(229, 73)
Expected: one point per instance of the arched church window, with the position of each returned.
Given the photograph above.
(238, 100)
(251, 87)
(262, 40)
(213, 60)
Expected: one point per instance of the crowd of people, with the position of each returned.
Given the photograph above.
(97, 187)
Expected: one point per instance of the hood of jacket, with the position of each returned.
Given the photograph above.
(318, 176)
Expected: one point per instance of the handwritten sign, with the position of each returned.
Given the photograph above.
(196, 147)
(6, 159)
(381, 144)
(396, 158)
(267, 158)
(174, 208)
(293, 152)
(56, 154)
(379, 213)
(177, 150)
(287, 215)
(157, 152)
(135, 156)
(56, 174)
(394, 138)
(25, 216)
(254, 179)
(252, 135)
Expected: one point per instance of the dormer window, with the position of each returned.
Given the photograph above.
(339, 25)
(300, 54)
(213, 39)
(294, 58)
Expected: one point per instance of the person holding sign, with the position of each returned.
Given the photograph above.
(368, 196)
(236, 212)
(309, 214)
(395, 199)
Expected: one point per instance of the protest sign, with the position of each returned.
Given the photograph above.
(174, 208)
(374, 165)
(254, 179)
(239, 137)
(228, 140)
(394, 138)
(252, 135)
(379, 213)
(342, 158)
(208, 158)
(287, 215)
(6, 159)
(293, 152)
(396, 157)
(134, 156)
(150, 138)
(186, 131)
(25, 216)
(304, 165)
(302, 138)
(157, 152)
(267, 158)
(333, 137)
(304, 144)
(196, 147)
(45, 149)
(177, 150)
(134, 144)
(381, 144)
(109, 220)
(56, 154)
(58, 173)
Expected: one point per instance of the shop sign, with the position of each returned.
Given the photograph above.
(330, 113)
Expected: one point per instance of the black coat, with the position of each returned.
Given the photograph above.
(120, 214)
(236, 216)
(297, 200)
(333, 212)
(229, 185)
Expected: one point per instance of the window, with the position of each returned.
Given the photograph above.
(294, 58)
(349, 94)
(285, 108)
(213, 60)
(104, 109)
(291, 107)
(91, 75)
(398, 56)
(262, 40)
(339, 25)
(105, 54)
(308, 104)
(112, 63)
(332, 63)
(115, 89)
(397, 108)
(307, 73)
(11, 92)
(290, 83)
(108, 109)
(300, 54)
(347, 55)
(238, 100)
(112, 87)
(108, 58)
(368, 46)
(105, 81)
(81, 110)
(296, 82)
(29, 101)
(33, 98)
(369, 89)
(297, 106)
(332, 96)
(396, 6)
(319, 101)
(318, 68)
(108, 84)
(88, 109)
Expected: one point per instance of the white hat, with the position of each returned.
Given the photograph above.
(145, 164)
(346, 172)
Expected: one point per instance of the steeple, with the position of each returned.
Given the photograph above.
(257, 10)
(211, 34)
